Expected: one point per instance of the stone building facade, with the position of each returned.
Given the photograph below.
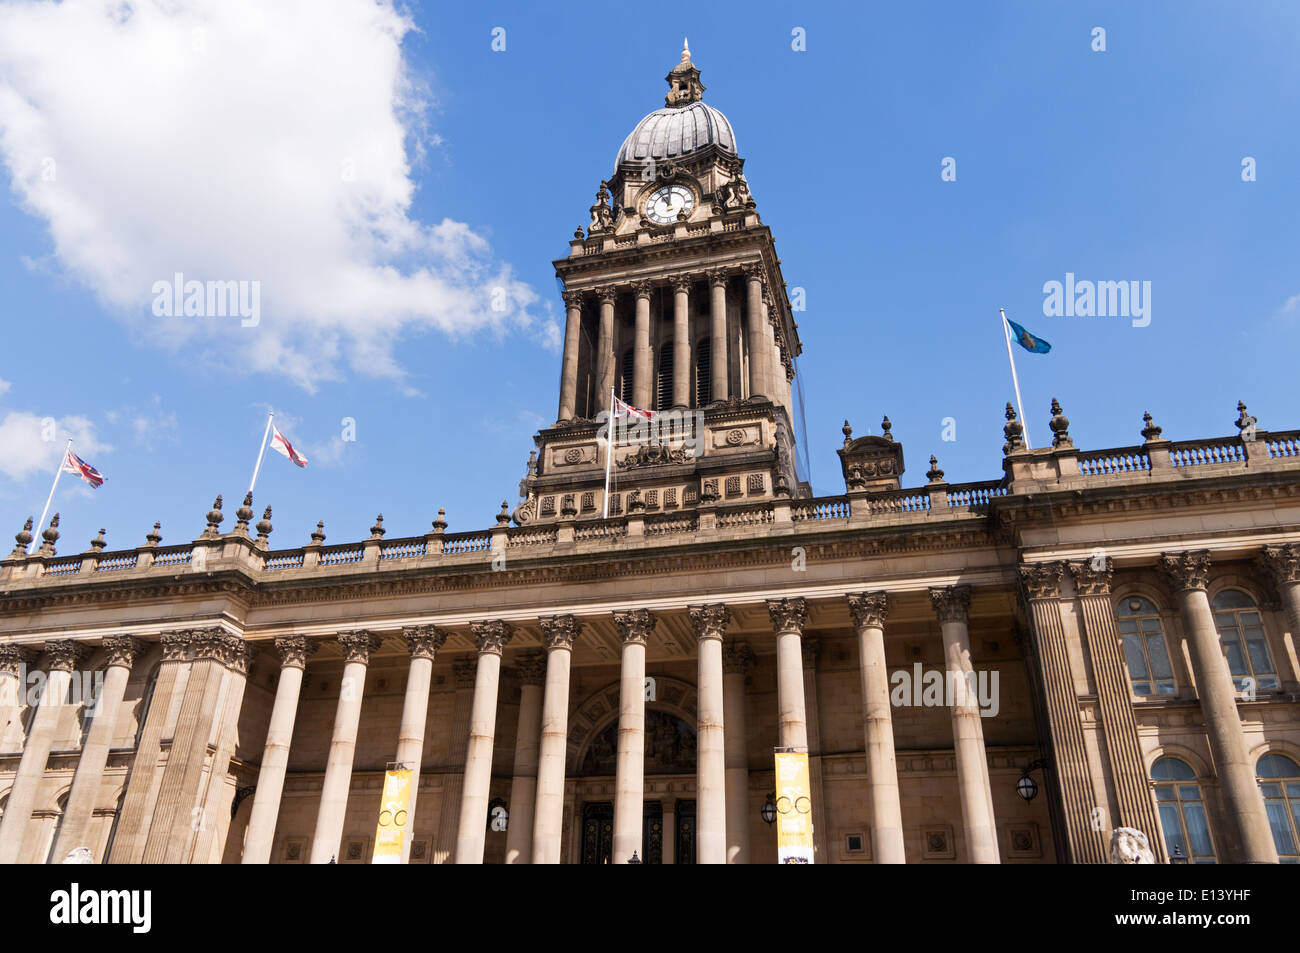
(595, 677)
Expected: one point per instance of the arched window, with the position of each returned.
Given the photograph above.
(1145, 649)
(1182, 812)
(625, 385)
(62, 806)
(1279, 782)
(703, 372)
(664, 399)
(1242, 633)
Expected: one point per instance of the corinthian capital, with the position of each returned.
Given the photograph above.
(635, 625)
(123, 650)
(357, 645)
(737, 658)
(221, 646)
(641, 289)
(560, 631)
(951, 603)
(1187, 570)
(294, 650)
(681, 283)
(531, 668)
(491, 637)
(14, 657)
(1042, 580)
(1282, 563)
(1092, 576)
(788, 615)
(423, 641)
(710, 621)
(573, 299)
(63, 655)
(464, 669)
(606, 294)
(175, 645)
(717, 276)
(752, 270)
(868, 608)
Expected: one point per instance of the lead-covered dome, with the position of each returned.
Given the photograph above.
(683, 126)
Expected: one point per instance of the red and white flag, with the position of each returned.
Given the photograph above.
(74, 464)
(280, 445)
(624, 409)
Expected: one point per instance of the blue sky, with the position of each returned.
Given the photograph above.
(210, 140)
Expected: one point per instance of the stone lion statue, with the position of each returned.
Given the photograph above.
(1128, 845)
(79, 855)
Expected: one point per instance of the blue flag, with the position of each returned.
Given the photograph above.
(1027, 340)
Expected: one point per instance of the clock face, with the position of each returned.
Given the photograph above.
(666, 203)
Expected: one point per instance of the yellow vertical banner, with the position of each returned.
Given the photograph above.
(392, 817)
(794, 830)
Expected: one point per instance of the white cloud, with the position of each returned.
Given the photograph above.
(244, 140)
(30, 444)
(4, 386)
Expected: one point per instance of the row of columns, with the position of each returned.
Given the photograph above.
(767, 372)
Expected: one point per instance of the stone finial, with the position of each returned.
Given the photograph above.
(848, 433)
(51, 536)
(934, 474)
(579, 234)
(153, 537)
(1060, 425)
(377, 531)
(244, 514)
(23, 538)
(214, 519)
(684, 82)
(885, 427)
(503, 518)
(1150, 431)
(264, 527)
(1013, 432)
(318, 537)
(1245, 422)
(98, 543)
(440, 524)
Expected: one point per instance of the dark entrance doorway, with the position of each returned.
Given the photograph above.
(598, 832)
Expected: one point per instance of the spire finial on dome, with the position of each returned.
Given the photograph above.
(684, 81)
(686, 50)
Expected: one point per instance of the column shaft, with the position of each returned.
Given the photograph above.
(569, 366)
(548, 823)
(605, 350)
(423, 641)
(523, 786)
(31, 767)
(464, 670)
(275, 762)
(756, 339)
(710, 624)
(642, 366)
(681, 343)
(629, 781)
(491, 638)
(718, 338)
(736, 663)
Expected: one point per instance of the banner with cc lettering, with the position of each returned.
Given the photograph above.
(794, 830)
(393, 814)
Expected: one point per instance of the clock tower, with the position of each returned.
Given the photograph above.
(676, 306)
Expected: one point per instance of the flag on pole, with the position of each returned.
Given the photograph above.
(623, 409)
(74, 464)
(281, 445)
(1028, 341)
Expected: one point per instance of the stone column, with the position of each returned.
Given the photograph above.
(710, 624)
(788, 618)
(560, 633)
(737, 660)
(569, 366)
(423, 642)
(1134, 805)
(1079, 798)
(463, 670)
(490, 638)
(951, 605)
(641, 363)
(810, 649)
(357, 649)
(681, 286)
(294, 651)
(13, 671)
(718, 338)
(756, 338)
(605, 348)
(635, 627)
(869, 610)
(62, 655)
(121, 653)
(1250, 836)
(531, 669)
(771, 353)
(1282, 563)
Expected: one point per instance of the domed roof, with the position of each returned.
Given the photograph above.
(683, 126)
(668, 133)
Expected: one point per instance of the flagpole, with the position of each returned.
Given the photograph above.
(50, 499)
(260, 453)
(1006, 332)
(609, 449)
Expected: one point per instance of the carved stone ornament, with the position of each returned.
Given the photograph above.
(1013, 432)
(868, 608)
(635, 625)
(221, 646)
(1282, 563)
(951, 603)
(1128, 845)
(464, 670)
(530, 668)
(1187, 570)
(12, 658)
(1042, 580)
(653, 455)
(710, 621)
(737, 658)
(491, 637)
(295, 650)
(1092, 576)
(63, 655)
(358, 645)
(123, 650)
(735, 437)
(788, 615)
(175, 646)
(560, 631)
(423, 641)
